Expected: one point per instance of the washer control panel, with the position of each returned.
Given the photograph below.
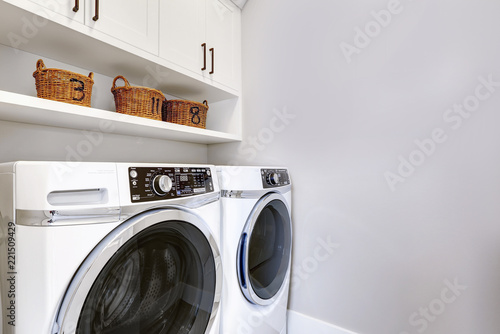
(272, 177)
(159, 183)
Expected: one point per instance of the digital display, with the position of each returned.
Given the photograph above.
(190, 183)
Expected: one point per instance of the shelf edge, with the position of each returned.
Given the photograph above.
(33, 110)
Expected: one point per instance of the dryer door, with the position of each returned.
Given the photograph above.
(264, 251)
(158, 272)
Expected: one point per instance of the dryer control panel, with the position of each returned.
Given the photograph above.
(272, 177)
(160, 183)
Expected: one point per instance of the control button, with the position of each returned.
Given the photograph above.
(162, 185)
(133, 173)
(273, 179)
(208, 172)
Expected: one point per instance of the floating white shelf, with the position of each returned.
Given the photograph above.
(32, 110)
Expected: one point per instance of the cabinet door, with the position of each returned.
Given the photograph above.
(66, 8)
(132, 21)
(224, 35)
(182, 31)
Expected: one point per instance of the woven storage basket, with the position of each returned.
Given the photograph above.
(63, 86)
(186, 113)
(137, 101)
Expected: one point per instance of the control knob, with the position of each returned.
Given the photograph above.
(273, 179)
(162, 184)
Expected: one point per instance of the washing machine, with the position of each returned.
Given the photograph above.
(256, 241)
(90, 248)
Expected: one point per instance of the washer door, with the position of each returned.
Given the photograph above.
(158, 272)
(264, 250)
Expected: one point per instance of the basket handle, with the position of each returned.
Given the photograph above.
(40, 65)
(127, 84)
(205, 103)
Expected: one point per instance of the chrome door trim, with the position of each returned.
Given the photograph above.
(249, 194)
(76, 293)
(68, 217)
(243, 250)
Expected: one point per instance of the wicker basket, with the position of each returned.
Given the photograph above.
(186, 113)
(137, 101)
(63, 86)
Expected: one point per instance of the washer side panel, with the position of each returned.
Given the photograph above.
(8, 288)
(48, 257)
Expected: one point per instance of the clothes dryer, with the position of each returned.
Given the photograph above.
(90, 248)
(256, 241)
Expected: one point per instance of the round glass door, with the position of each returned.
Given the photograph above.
(163, 279)
(265, 250)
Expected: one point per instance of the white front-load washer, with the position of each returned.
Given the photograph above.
(94, 248)
(256, 241)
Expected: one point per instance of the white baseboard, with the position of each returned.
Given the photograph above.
(299, 323)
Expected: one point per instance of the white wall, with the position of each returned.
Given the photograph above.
(424, 255)
(32, 142)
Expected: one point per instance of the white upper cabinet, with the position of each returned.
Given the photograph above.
(132, 21)
(203, 36)
(73, 9)
(224, 41)
(182, 30)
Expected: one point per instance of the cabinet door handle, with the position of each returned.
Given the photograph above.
(96, 16)
(204, 46)
(213, 57)
(77, 6)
